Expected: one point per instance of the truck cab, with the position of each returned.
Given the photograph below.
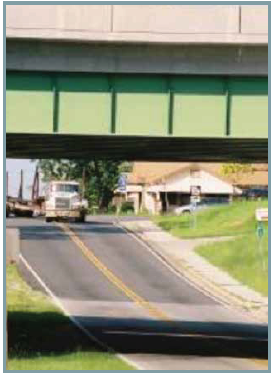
(64, 201)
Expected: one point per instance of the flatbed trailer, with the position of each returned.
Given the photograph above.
(20, 208)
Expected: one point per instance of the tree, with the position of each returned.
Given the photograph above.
(100, 177)
(235, 171)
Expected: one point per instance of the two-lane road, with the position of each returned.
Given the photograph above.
(132, 302)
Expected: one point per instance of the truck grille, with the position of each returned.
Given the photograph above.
(62, 203)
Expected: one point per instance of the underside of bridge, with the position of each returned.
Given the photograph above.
(138, 148)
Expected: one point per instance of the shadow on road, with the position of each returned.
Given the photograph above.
(188, 338)
(53, 232)
(32, 333)
(42, 231)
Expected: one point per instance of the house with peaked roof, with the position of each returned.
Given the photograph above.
(160, 187)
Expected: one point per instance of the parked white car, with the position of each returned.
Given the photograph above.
(203, 204)
(185, 209)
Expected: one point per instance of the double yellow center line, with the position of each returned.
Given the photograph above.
(87, 252)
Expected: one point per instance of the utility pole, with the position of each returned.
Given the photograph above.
(20, 192)
(83, 182)
(7, 184)
(166, 196)
(35, 185)
(38, 181)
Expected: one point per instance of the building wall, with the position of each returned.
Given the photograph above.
(210, 185)
(182, 182)
(150, 202)
(134, 197)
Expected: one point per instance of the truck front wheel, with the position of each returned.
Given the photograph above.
(48, 219)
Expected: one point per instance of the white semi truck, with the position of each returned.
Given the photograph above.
(64, 201)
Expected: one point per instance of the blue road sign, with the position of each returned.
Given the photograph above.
(260, 230)
(122, 182)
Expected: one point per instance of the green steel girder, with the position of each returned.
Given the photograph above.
(140, 105)
(137, 117)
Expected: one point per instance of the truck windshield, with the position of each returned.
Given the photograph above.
(66, 188)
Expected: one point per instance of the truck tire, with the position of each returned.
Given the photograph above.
(48, 219)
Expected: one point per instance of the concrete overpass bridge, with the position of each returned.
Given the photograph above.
(146, 82)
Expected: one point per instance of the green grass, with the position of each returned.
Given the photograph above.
(235, 219)
(40, 337)
(242, 259)
(79, 361)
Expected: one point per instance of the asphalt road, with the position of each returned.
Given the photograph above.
(131, 301)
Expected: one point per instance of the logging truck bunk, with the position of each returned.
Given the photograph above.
(20, 207)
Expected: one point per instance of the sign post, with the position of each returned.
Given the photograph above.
(261, 216)
(260, 234)
(122, 188)
(194, 213)
(195, 192)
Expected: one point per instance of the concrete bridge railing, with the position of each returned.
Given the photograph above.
(201, 24)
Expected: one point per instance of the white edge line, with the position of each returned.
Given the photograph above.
(73, 320)
(184, 278)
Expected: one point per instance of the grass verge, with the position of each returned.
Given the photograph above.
(242, 259)
(235, 219)
(40, 337)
